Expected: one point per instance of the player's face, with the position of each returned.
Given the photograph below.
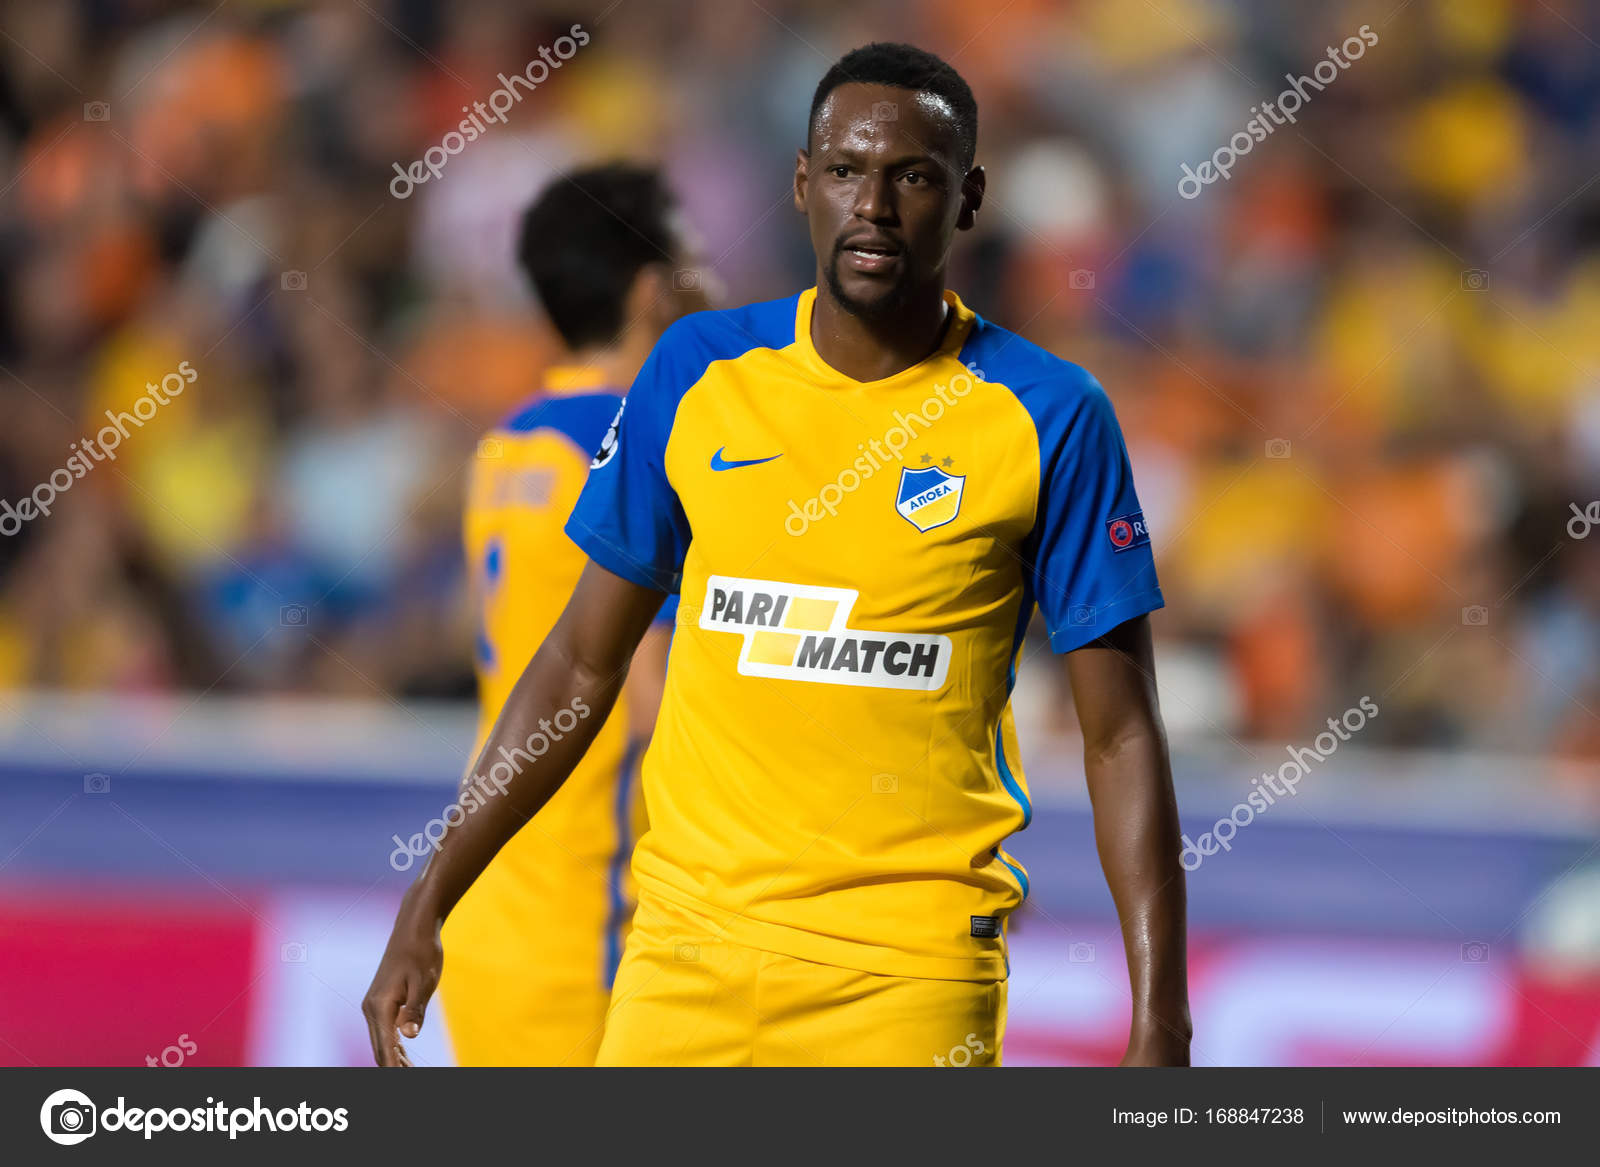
(884, 194)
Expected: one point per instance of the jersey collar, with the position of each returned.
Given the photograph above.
(955, 335)
(561, 380)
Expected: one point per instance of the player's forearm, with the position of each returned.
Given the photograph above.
(1137, 833)
(548, 722)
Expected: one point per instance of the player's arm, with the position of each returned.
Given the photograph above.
(580, 669)
(1136, 832)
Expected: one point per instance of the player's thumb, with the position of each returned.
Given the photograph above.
(410, 1015)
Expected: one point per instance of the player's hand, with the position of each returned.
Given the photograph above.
(406, 978)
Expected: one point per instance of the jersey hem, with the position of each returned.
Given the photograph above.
(1075, 636)
(831, 950)
(616, 561)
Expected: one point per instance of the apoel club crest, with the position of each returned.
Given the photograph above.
(929, 497)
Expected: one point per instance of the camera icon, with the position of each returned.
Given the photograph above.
(885, 111)
(1475, 952)
(1475, 615)
(1082, 614)
(97, 783)
(686, 953)
(294, 281)
(293, 615)
(491, 448)
(885, 784)
(69, 1121)
(1081, 280)
(1278, 447)
(686, 279)
(97, 111)
(293, 952)
(1475, 279)
(1081, 953)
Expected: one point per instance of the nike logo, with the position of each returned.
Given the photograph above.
(718, 462)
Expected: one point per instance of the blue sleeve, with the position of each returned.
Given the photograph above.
(668, 616)
(1089, 553)
(628, 518)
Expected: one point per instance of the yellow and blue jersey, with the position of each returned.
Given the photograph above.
(834, 771)
(570, 863)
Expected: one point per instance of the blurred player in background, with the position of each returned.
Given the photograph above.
(534, 945)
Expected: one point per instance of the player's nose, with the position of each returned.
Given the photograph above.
(875, 197)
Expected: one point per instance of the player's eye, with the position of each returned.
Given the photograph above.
(915, 178)
(839, 170)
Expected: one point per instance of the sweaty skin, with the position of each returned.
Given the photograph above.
(896, 187)
(1136, 832)
(890, 183)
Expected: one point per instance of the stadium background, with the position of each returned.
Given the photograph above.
(1359, 378)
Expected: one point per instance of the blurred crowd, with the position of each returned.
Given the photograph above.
(1359, 377)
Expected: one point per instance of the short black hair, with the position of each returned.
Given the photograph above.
(584, 239)
(906, 67)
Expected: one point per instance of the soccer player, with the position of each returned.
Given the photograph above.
(534, 944)
(863, 491)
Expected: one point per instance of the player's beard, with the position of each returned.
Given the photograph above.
(882, 308)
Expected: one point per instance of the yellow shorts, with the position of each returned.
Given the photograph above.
(685, 998)
(526, 969)
(504, 1014)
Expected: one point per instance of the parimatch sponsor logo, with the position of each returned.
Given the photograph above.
(797, 632)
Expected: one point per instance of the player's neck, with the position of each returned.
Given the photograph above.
(618, 362)
(870, 350)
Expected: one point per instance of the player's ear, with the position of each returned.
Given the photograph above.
(972, 188)
(802, 161)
